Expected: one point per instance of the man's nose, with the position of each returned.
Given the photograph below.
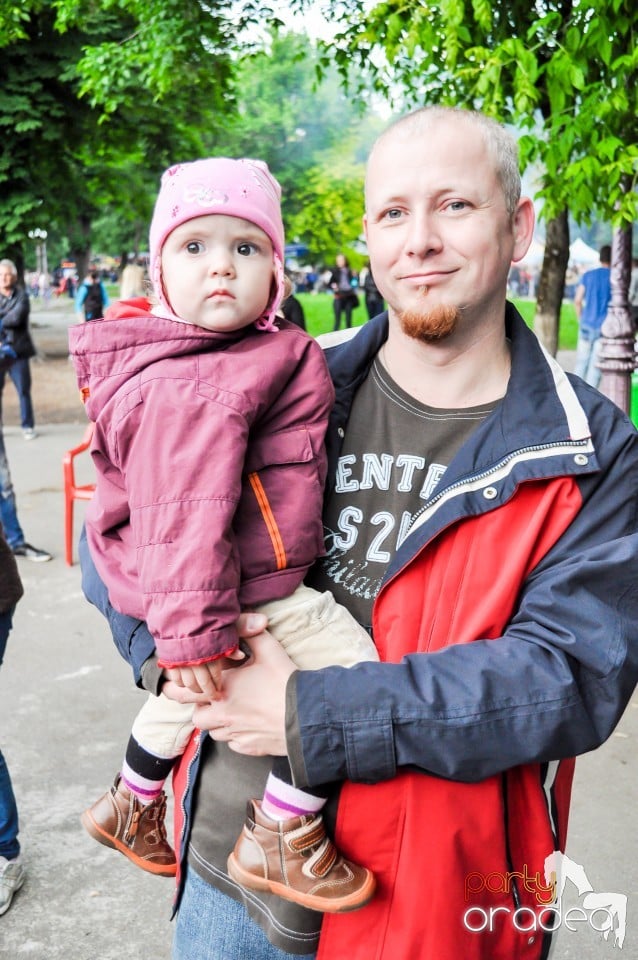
(423, 235)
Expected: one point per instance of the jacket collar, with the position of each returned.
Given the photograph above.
(549, 412)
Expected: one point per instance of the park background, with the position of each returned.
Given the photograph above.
(96, 99)
(99, 98)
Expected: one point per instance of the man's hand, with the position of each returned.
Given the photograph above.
(251, 717)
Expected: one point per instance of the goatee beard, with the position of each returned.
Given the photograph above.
(430, 326)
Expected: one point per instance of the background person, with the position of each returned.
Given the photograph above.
(374, 301)
(591, 301)
(12, 874)
(14, 329)
(133, 280)
(91, 298)
(345, 297)
(13, 532)
(452, 431)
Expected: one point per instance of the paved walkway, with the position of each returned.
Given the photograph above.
(66, 704)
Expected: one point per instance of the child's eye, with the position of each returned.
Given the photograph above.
(194, 247)
(246, 249)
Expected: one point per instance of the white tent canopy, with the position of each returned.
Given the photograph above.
(535, 254)
(581, 253)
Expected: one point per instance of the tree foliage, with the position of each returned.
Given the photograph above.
(312, 136)
(563, 71)
(96, 99)
(100, 97)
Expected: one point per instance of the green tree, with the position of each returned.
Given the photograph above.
(312, 135)
(563, 72)
(96, 100)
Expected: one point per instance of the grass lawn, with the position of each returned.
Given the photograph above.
(320, 319)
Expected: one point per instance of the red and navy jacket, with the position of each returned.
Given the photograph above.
(507, 624)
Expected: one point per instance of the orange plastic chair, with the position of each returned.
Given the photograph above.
(74, 491)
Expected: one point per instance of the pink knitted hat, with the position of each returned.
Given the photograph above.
(235, 188)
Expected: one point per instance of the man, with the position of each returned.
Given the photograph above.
(486, 528)
(16, 339)
(591, 301)
(481, 518)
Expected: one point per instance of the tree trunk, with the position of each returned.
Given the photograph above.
(551, 285)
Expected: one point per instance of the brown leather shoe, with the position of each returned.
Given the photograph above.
(120, 821)
(297, 860)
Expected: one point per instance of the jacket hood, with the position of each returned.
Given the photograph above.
(106, 353)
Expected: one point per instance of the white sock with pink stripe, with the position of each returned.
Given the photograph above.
(281, 801)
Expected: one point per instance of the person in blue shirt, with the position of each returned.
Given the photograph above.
(91, 298)
(591, 301)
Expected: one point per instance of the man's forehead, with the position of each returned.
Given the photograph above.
(428, 162)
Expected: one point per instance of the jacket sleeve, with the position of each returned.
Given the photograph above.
(17, 312)
(131, 636)
(554, 685)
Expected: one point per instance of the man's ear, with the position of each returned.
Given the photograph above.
(523, 227)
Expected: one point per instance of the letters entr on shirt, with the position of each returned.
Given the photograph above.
(396, 454)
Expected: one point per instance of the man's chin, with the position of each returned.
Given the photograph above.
(430, 326)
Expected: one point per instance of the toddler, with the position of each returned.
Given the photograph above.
(210, 414)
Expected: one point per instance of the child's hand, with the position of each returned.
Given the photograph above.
(203, 678)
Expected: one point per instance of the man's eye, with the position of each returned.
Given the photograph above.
(392, 214)
(456, 205)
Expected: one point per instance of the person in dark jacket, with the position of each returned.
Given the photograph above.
(14, 329)
(91, 298)
(345, 296)
(374, 301)
(12, 873)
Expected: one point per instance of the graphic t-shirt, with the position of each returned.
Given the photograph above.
(394, 456)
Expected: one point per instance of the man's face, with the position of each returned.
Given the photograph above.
(439, 236)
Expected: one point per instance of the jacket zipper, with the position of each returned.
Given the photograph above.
(508, 853)
(566, 445)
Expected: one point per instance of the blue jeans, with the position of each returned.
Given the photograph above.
(212, 926)
(9, 846)
(20, 373)
(8, 510)
(587, 357)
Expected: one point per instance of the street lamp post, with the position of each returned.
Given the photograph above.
(617, 351)
(41, 262)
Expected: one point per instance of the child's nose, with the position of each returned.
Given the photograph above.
(220, 262)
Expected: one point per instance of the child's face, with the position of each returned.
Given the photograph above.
(217, 272)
